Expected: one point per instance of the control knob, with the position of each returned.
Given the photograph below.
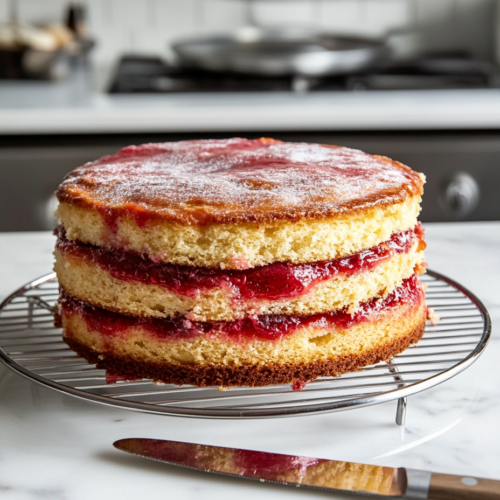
(460, 194)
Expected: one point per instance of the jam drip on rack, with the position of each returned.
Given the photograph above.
(270, 282)
(272, 327)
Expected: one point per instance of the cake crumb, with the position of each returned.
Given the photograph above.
(432, 316)
(240, 261)
(420, 268)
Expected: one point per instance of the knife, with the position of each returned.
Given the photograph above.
(314, 473)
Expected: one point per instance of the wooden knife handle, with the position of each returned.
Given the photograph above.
(449, 487)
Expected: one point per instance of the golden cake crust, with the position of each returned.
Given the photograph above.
(237, 181)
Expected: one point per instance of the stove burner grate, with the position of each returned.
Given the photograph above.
(142, 74)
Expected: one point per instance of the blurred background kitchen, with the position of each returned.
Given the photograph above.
(416, 80)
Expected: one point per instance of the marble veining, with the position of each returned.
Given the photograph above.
(57, 447)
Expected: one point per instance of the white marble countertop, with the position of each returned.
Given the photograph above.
(54, 446)
(73, 107)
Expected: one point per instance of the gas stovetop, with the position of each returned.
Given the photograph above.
(438, 71)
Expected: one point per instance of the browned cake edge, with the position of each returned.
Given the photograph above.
(245, 375)
(80, 189)
(113, 215)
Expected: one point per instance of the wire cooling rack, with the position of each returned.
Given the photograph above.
(31, 346)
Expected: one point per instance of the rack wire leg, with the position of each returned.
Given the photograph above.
(31, 306)
(401, 411)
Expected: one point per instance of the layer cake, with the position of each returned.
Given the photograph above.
(240, 262)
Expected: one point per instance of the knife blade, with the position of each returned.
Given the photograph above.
(314, 473)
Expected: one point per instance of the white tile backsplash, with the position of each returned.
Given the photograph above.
(427, 11)
(384, 15)
(342, 16)
(41, 11)
(278, 12)
(147, 26)
(368, 17)
(221, 15)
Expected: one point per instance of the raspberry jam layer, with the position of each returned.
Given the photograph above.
(271, 282)
(273, 327)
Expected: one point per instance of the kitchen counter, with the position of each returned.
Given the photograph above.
(71, 107)
(58, 447)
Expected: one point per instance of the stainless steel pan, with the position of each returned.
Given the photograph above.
(282, 53)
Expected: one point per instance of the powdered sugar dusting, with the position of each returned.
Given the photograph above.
(237, 180)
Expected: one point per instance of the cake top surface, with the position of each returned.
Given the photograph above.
(237, 181)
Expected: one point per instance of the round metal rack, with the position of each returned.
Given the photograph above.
(31, 346)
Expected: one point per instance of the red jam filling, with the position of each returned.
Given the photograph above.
(273, 327)
(272, 282)
(112, 378)
(298, 385)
